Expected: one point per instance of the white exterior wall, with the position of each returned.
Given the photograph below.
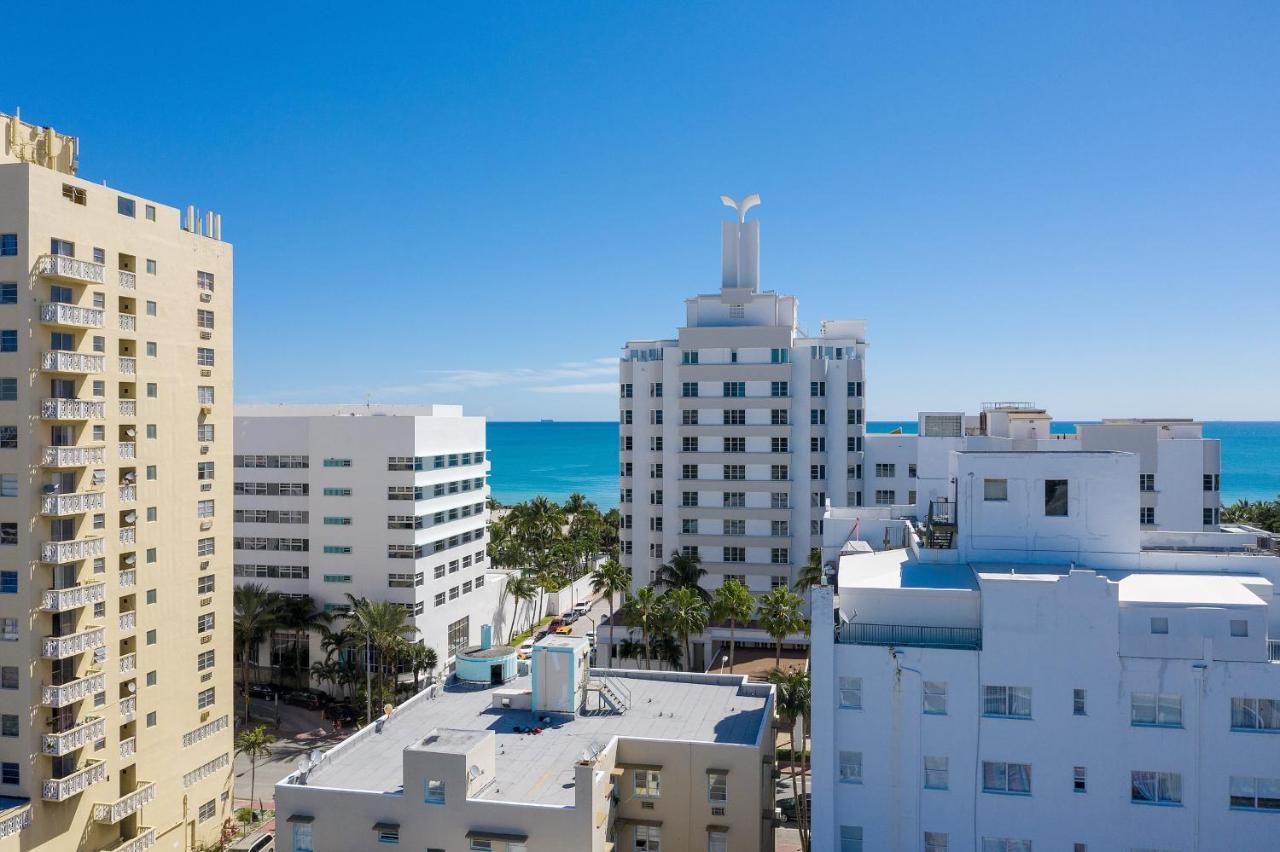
(368, 437)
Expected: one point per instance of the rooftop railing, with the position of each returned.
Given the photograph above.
(911, 636)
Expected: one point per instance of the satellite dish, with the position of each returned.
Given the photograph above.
(131, 558)
(128, 477)
(474, 772)
(131, 432)
(132, 687)
(131, 517)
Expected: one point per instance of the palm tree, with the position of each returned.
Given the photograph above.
(732, 602)
(811, 575)
(521, 589)
(792, 692)
(421, 658)
(684, 571)
(610, 579)
(257, 611)
(575, 504)
(779, 614)
(629, 649)
(254, 743)
(300, 617)
(646, 610)
(325, 671)
(687, 613)
(380, 625)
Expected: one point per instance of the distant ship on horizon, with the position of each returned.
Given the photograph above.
(546, 420)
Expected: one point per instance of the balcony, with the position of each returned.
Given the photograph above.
(70, 362)
(205, 731)
(128, 578)
(128, 663)
(61, 647)
(71, 316)
(76, 690)
(128, 622)
(61, 789)
(89, 731)
(15, 817)
(144, 840)
(128, 322)
(128, 535)
(74, 597)
(58, 552)
(128, 708)
(128, 748)
(128, 450)
(59, 505)
(128, 280)
(112, 812)
(73, 456)
(70, 269)
(128, 493)
(72, 409)
(129, 366)
(128, 408)
(911, 636)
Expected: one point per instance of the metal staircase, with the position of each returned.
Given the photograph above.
(611, 691)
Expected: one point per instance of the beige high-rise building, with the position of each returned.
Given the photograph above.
(115, 511)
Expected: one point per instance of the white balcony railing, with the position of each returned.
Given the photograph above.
(128, 322)
(15, 818)
(128, 280)
(128, 450)
(128, 748)
(145, 839)
(74, 316)
(73, 456)
(205, 731)
(61, 647)
(72, 504)
(74, 597)
(57, 552)
(128, 663)
(200, 773)
(128, 366)
(111, 813)
(128, 621)
(128, 493)
(76, 690)
(61, 789)
(72, 409)
(128, 535)
(128, 578)
(89, 731)
(128, 408)
(58, 266)
(128, 708)
(70, 362)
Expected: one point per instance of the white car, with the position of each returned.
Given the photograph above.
(582, 607)
(525, 650)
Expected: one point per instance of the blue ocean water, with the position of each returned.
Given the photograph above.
(556, 459)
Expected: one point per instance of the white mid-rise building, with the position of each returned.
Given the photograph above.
(380, 502)
(1179, 470)
(1035, 670)
(737, 432)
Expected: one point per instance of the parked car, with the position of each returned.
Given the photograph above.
(312, 699)
(263, 690)
(263, 842)
(341, 712)
(582, 607)
(569, 617)
(564, 629)
(788, 806)
(525, 651)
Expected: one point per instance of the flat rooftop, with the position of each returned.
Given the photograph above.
(894, 569)
(343, 410)
(540, 767)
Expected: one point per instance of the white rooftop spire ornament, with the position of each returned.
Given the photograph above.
(740, 250)
(742, 206)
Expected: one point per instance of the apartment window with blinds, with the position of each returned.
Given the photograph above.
(717, 786)
(1012, 702)
(204, 356)
(851, 693)
(1010, 778)
(937, 772)
(1152, 709)
(204, 699)
(1255, 714)
(935, 698)
(204, 319)
(1255, 794)
(850, 767)
(1155, 788)
(204, 622)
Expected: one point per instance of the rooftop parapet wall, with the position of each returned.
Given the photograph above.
(41, 146)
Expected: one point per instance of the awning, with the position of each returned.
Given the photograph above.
(305, 819)
(717, 829)
(479, 834)
(653, 767)
(386, 826)
(625, 821)
(717, 771)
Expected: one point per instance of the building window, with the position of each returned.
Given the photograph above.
(1255, 794)
(850, 767)
(388, 833)
(151, 266)
(884, 497)
(302, 837)
(8, 437)
(936, 772)
(126, 206)
(8, 582)
(8, 533)
(1239, 628)
(204, 661)
(1146, 482)
(8, 725)
(935, 841)
(717, 786)
(8, 630)
(207, 811)
(8, 292)
(885, 471)
(433, 793)
(1156, 709)
(204, 622)
(1255, 714)
(1159, 625)
(9, 773)
(1001, 777)
(851, 693)
(1055, 498)
(1078, 702)
(850, 838)
(1005, 844)
(1155, 788)
(935, 697)
(150, 212)
(8, 389)
(648, 838)
(647, 783)
(1008, 701)
(8, 677)
(1079, 779)
(995, 490)
(1146, 515)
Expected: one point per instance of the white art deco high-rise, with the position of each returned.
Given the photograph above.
(115, 510)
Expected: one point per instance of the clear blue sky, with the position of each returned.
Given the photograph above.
(1073, 203)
